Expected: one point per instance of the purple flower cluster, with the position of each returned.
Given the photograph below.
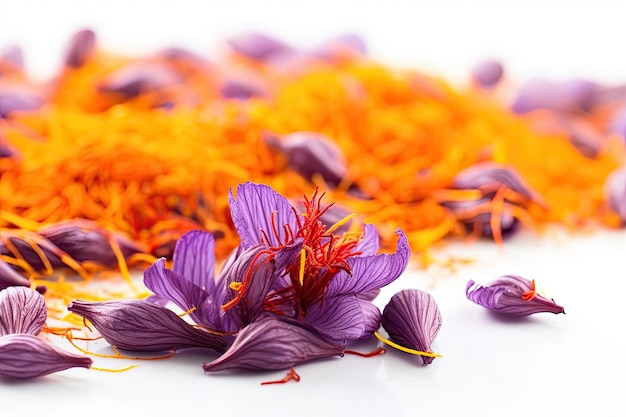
(293, 291)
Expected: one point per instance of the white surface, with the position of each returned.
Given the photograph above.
(565, 365)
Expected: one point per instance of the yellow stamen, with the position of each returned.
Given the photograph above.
(114, 370)
(302, 265)
(405, 349)
(340, 223)
(235, 286)
(191, 310)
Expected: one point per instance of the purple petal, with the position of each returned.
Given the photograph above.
(337, 318)
(241, 89)
(260, 213)
(570, 96)
(138, 78)
(371, 272)
(258, 46)
(615, 191)
(10, 277)
(27, 356)
(412, 320)
(370, 242)
(141, 326)
(84, 240)
(22, 310)
(493, 174)
(171, 285)
(310, 154)
(506, 295)
(488, 73)
(194, 258)
(13, 55)
(16, 100)
(80, 48)
(340, 46)
(271, 344)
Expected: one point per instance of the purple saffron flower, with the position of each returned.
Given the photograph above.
(615, 192)
(271, 344)
(79, 48)
(22, 310)
(511, 294)
(488, 73)
(258, 46)
(26, 356)
(311, 154)
(329, 285)
(412, 320)
(247, 277)
(139, 325)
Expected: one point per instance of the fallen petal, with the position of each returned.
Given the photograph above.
(141, 326)
(412, 320)
(80, 47)
(511, 294)
(22, 310)
(27, 356)
(271, 344)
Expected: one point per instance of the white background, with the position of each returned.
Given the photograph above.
(565, 365)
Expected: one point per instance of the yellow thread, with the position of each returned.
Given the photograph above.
(235, 286)
(405, 349)
(114, 370)
(302, 265)
(340, 223)
(191, 310)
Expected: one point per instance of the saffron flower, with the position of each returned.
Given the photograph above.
(139, 325)
(511, 294)
(27, 356)
(412, 321)
(272, 343)
(331, 282)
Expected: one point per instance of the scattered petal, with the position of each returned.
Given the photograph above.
(80, 48)
(271, 344)
(22, 310)
(141, 326)
(488, 73)
(27, 356)
(412, 320)
(511, 294)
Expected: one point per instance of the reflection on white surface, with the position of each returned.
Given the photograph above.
(565, 365)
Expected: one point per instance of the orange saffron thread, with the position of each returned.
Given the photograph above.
(292, 375)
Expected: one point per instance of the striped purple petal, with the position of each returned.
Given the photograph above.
(141, 326)
(511, 294)
(26, 356)
(271, 344)
(22, 310)
(194, 258)
(412, 320)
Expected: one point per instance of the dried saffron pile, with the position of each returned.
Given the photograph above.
(145, 149)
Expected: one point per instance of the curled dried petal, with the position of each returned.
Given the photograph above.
(22, 310)
(27, 356)
(511, 294)
(412, 320)
(570, 96)
(271, 344)
(80, 47)
(139, 325)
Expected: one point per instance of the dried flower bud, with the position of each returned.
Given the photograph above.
(310, 153)
(26, 356)
(412, 320)
(139, 325)
(487, 74)
(615, 192)
(271, 344)
(258, 46)
(80, 47)
(511, 294)
(22, 310)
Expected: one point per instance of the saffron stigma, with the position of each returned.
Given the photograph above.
(292, 375)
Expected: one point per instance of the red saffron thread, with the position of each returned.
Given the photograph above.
(291, 375)
(375, 352)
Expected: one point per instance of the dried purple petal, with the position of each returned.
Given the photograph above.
(615, 192)
(271, 344)
(348, 44)
(17, 100)
(570, 96)
(241, 89)
(138, 78)
(494, 175)
(511, 294)
(412, 320)
(142, 326)
(80, 47)
(84, 240)
(311, 154)
(258, 46)
(11, 59)
(22, 310)
(10, 277)
(26, 356)
(488, 73)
